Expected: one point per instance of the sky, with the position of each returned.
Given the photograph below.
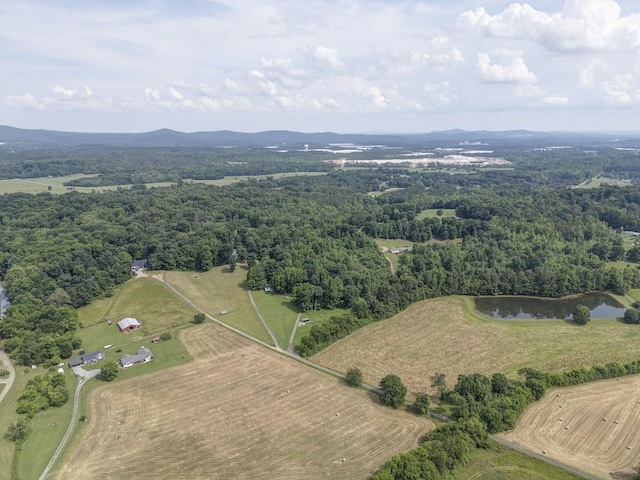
(348, 66)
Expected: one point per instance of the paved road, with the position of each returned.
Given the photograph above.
(85, 375)
(8, 382)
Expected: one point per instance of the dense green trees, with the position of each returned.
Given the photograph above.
(313, 238)
(421, 404)
(108, 371)
(42, 392)
(392, 391)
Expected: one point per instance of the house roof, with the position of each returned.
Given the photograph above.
(143, 353)
(88, 357)
(74, 362)
(128, 322)
(139, 263)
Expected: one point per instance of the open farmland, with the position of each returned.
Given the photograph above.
(237, 411)
(446, 335)
(595, 427)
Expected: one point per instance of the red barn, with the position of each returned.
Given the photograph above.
(127, 324)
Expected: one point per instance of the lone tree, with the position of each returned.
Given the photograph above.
(199, 318)
(581, 315)
(422, 404)
(439, 382)
(393, 391)
(109, 371)
(353, 378)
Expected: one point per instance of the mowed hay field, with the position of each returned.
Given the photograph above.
(443, 335)
(237, 411)
(569, 424)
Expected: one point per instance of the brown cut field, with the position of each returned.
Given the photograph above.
(237, 411)
(443, 335)
(594, 427)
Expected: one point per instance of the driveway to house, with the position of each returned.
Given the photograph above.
(8, 382)
(83, 376)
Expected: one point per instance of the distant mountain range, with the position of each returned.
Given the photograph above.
(18, 138)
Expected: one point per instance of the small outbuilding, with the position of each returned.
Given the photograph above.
(144, 355)
(127, 324)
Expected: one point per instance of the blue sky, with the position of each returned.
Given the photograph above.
(320, 65)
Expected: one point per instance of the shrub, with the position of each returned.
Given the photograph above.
(165, 336)
(632, 316)
(353, 378)
(581, 315)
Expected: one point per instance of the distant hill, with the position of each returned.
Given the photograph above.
(18, 138)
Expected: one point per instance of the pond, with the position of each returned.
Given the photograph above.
(601, 305)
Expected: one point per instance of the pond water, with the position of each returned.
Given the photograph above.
(601, 305)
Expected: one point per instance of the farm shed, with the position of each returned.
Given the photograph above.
(127, 324)
(144, 355)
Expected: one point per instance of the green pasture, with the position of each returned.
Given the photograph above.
(42, 184)
(600, 180)
(501, 463)
(555, 345)
(433, 213)
(221, 290)
(279, 312)
(146, 299)
(394, 243)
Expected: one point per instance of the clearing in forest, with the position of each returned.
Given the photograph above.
(237, 411)
(594, 427)
(446, 335)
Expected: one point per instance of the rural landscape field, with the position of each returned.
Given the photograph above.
(595, 427)
(445, 336)
(229, 413)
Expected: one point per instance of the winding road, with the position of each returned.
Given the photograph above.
(8, 382)
(76, 398)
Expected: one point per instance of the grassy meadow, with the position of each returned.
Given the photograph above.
(220, 290)
(42, 184)
(502, 463)
(279, 312)
(447, 335)
(433, 213)
(600, 180)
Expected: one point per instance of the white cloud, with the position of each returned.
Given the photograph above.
(514, 71)
(27, 100)
(377, 98)
(587, 72)
(583, 25)
(622, 90)
(326, 56)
